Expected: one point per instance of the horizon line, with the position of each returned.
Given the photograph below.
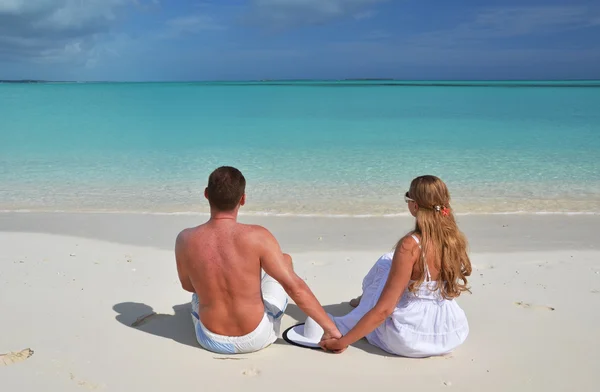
(298, 80)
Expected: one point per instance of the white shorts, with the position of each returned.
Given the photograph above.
(275, 300)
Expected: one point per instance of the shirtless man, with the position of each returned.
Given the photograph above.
(238, 275)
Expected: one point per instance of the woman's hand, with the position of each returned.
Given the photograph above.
(336, 346)
(331, 334)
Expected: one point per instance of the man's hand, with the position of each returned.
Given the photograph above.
(334, 334)
(330, 341)
(336, 346)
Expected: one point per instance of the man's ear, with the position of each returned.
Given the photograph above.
(243, 200)
(206, 193)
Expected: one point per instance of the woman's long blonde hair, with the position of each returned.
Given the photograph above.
(440, 236)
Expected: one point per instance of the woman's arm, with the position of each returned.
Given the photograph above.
(405, 256)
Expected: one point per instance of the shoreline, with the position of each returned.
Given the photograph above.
(287, 214)
(486, 233)
(300, 205)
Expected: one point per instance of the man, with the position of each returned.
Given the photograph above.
(238, 275)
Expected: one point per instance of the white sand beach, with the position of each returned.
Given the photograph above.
(72, 285)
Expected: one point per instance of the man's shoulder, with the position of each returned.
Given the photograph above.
(185, 234)
(254, 230)
(256, 233)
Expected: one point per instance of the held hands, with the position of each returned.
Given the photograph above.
(331, 342)
(335, 346)
(331, 334)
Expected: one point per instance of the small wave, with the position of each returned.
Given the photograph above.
(530, 213)
(288, 214)
(198, 213)
(112, 212)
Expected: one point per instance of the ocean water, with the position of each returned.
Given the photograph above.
(324, 148)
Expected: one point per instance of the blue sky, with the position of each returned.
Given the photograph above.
(294, 39)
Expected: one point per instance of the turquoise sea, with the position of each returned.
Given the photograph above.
(326, 148)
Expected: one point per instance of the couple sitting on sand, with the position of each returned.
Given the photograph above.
(240, 280)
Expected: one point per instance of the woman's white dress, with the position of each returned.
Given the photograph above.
(423, 324)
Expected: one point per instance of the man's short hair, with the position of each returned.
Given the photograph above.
(226, 186)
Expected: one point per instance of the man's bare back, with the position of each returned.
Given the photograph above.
(222, 261)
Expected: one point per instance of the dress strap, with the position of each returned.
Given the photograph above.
(425, 266)
(416, 240)
(427, 274)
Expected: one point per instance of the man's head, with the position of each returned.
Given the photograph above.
(226, 189)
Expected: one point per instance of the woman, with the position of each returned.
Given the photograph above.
(408, 305)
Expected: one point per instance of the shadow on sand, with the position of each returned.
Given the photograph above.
(179, 328)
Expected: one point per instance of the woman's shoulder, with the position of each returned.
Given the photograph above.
(409, 243)
(411, 239)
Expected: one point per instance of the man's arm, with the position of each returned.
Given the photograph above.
(274, 264)
(180, 258)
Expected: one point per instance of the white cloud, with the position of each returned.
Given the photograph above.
(56, 30)
(509, 22)
(469, 43)
(378, 35)
(16, 7)
(290, 13)
(192, 24)
(514, 21)
(56, 15)
(369, 14)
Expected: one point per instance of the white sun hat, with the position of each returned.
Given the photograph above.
(307, 334)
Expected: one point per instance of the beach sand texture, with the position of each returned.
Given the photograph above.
(96, 299)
